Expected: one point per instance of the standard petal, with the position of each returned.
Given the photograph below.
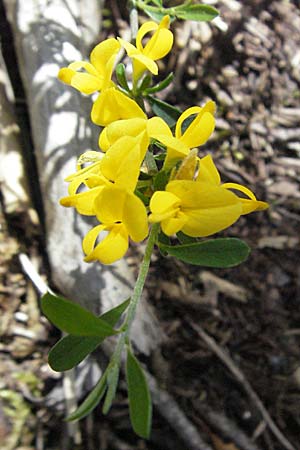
(240, 188)
(199, 131)
(159, 45)
(143, 30)
(185, 115)
(103, 52)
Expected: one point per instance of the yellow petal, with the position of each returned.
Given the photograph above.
(93, 168)
(239, 187)
(163, 205)
(103, 141)
(86, 83)
(110, 204)
(176, 150)
(135, 218)
(141, 63)
(199, 130)
(113, 105)
(83, 202)
(103, 53)
(111, 248)
(130, 48)
(77, 65)
(127, 127)
(252, 205)
(185, 115)
(209, 108)
(143, 30)
(65, 75)
(121, 163)
(156, 126)
(209, 209)
(208, 172)
(159, 45)
(174, 224)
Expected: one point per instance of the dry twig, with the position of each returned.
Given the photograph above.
(225, 358)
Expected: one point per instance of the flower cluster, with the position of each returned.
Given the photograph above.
(145, 172)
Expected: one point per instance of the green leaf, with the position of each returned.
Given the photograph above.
(72, 318)
(121, 76)
(140, 406)
(91, 400)
(113, 315)
(184, 239)
(160, 180)
(155, 14)
(168, 113)
(160, 86)
(145, 83)
(112, 382)
(71, 350)
(200, 13)
(221, 253)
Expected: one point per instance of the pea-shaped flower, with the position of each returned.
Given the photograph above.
(157, 47)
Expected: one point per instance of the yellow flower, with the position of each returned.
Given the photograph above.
(157, 47)
(130, 127)
(202, 207)
(196, 134)
(120, 166)
(97, 75)
(198, 209)
(209, 173)
(123, 216)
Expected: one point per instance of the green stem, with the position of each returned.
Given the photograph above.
(135, 298)
(140, 282)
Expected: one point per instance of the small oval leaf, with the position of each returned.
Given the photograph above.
(71, 350)
(140, 406)
(91, 400)
(219, 253)
(160, 86)
(168, 113)
(121, 76)
(112, 383)
(72, 318)
(200, 13)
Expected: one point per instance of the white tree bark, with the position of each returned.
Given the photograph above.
(50, 34)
